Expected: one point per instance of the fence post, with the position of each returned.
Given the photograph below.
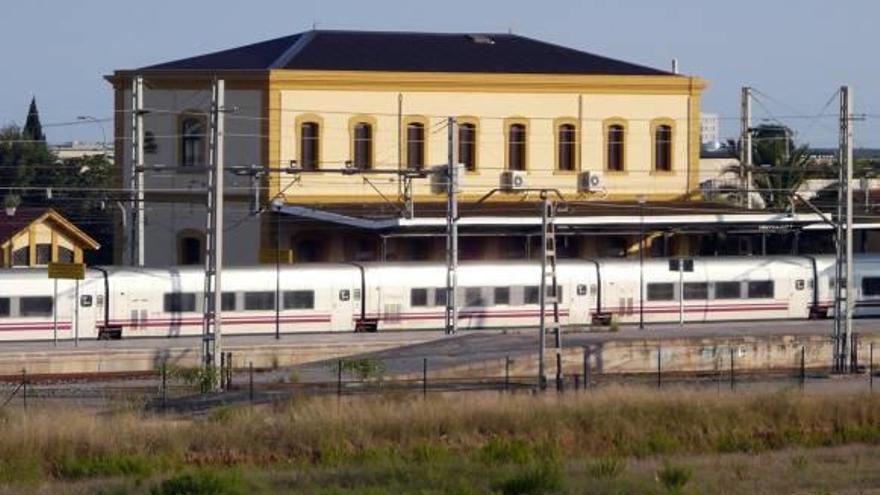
(854, 360)
(424, 377)
(24, 388)
(228, 370)
(251, 381)
(803, 367)
(339, 377)
(577, 382)
(659, 369)
(732, 372)
(586, 368)
(871, 368)
(507, 373)
(164, 384)
(220, 377)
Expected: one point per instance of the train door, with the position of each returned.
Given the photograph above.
(696, 295)
(88, 309)
(342, 309)
(136, 309)
(580, 301)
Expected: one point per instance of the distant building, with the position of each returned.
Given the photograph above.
(79, 149)
(37, 236)
(710, 128)
(550, 116)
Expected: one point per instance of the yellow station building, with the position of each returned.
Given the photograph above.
(528, 115)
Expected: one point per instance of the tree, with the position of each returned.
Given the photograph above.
(33, 129)
(21, 163)
(782, 174)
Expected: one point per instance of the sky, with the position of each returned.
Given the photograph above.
(796, 54)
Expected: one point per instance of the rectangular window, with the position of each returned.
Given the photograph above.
(473, 296)
(502, 295)
(728, 290)
(418, 297)
(531, 294)
(871, 286)
(567, 141)
(549, 292)
(227, 301)
(309, 145)
(661, 292)
(415, 145)
(440, 296)
(259, 301)
(696, 290)
(299, 299)
(35, 306)
(44, 254)
(178, 302)
(615, 147)
(516, 147)
(761, 289)
(5, 307)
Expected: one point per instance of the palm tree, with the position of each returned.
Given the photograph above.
(782, 174)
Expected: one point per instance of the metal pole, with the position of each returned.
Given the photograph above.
(251, 381)
(746, 140)
(803, 367)
(871, 367)
(76, 314)
(681, 292)
(451, 227)
(55, 311)
(24, 384)
(277, 274)
(542, 296)
(846, 95)
(732, 376)
(507, 372)
(339, 377)
(136, 172)
(586, 368)
(164, 384)
(641, 262)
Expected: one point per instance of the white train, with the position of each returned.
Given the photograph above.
(128, 302)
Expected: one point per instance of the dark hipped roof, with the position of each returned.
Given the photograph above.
(410, 52)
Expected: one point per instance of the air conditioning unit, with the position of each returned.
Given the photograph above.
(513, 180)
(591, 181)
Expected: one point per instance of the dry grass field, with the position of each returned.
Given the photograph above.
(627, 440)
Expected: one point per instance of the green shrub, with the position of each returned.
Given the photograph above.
(674, 478)
(607, 467)
(506, 451)
(537, 479)
(203, 482)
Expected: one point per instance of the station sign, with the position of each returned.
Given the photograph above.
(72, 271)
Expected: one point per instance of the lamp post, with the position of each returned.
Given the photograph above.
(641, 199)
(89, 118)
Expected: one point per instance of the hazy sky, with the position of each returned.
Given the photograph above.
(796, 52)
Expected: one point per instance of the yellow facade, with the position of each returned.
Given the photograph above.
(492, 102)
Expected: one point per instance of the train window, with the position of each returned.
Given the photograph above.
(760, 289)
(299, 299)
(473, 296)
(227, 301)
(35, 306)
(178, 302)
(696, 290)
(582, 289)
(502, 295)
(257, 301)
(661, 292)
(5, 307)
(418, 297)
(85, 301)
(871, 286)
(531, 294)
(728, 290)
(440, 296)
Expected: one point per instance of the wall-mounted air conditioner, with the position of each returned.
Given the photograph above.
(591, 181)
(514, 180)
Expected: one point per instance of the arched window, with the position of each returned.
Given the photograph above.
(190, 250)
(663, 148)
(309, 145)
(192, 141)
(516, 147)
(415, 145)
(567, 140)
(363, 146)
(467, 146)
(616, 146)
